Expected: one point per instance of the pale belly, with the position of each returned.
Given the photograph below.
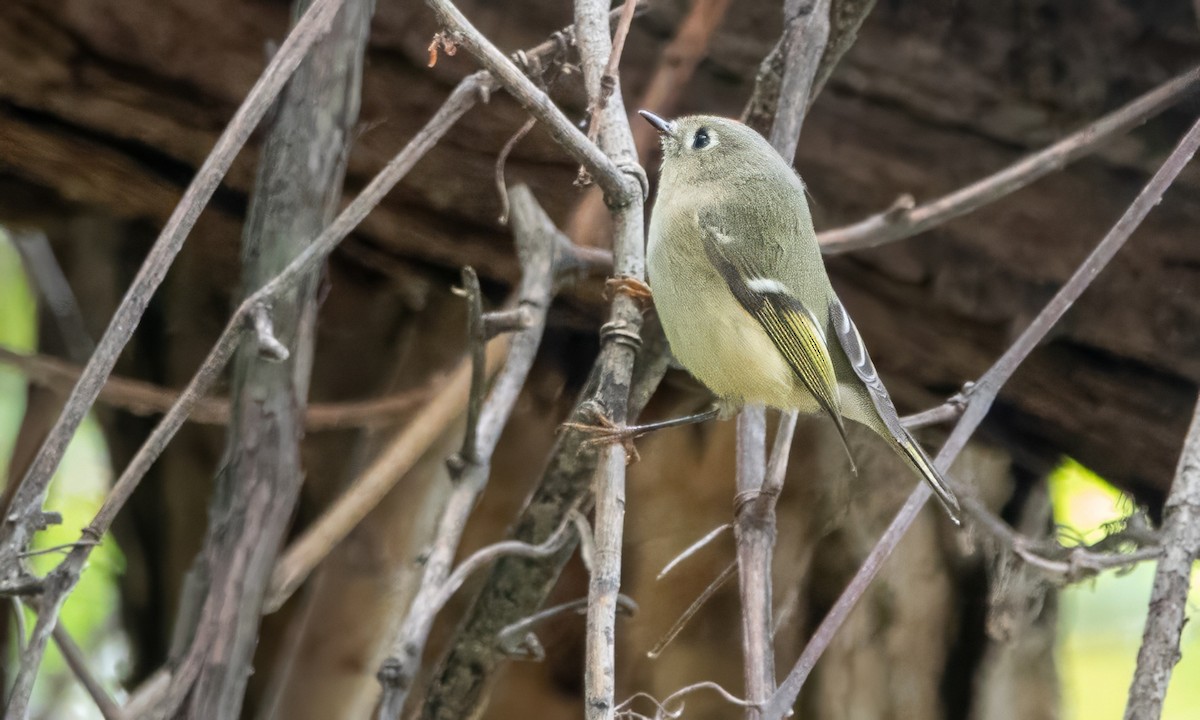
(725, 348)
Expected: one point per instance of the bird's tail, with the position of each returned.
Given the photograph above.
(930, 474)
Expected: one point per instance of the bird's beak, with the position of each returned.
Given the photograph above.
(664, 127)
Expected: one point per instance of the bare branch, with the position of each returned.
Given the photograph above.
(692, 549)
(297, 193)
(621, 336)
(533, 99)
(143, 398)
(979, 399)
(904, 220)
(1169, 598)
(527, 647)
(717, 583)
(368, 489)
(40, 264)
(536, 242)
(78, 663)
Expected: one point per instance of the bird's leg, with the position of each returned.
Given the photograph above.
(605, 431)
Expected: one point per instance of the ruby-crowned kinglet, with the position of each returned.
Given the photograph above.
(742, 292)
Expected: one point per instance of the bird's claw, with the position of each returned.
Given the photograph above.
(630, 286)
(605, 432)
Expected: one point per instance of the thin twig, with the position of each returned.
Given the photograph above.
(142, 398)
(692, 549)
(717, 583)
(1169, 598)
(79, 665)
(611, 178)
(905, 220)
(535, 236)
(502, 160)
(485, 556)
(369, 488)
(663, 712)
(527, 646)
(38, 258)
(979, 400)
(608, 81)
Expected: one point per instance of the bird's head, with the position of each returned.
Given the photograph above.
(697, 148)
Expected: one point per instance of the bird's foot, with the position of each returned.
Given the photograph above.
(630, 286)
(603, 431)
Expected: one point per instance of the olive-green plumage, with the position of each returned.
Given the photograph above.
(741, 288)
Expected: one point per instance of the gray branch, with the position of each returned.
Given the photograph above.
(536, 240)
(297, 193)
(1167, 612)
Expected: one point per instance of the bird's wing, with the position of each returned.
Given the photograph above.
(860, 361)
(791, 326)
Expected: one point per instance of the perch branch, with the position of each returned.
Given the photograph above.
(535, 236)
(621, 338)
(905, 219)
(1169, 598)
(980, 397)
(805, 33)
(365, 493)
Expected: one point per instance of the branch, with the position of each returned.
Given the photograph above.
(143, 398)
(620, 337)
(368, 489)
(536, 239)
(1168, 600)
(77, 661)
(980, 397)
(297, 192)
(805, 33)
(905, 220)
(606, 173)
(38, 258)
(25, 515)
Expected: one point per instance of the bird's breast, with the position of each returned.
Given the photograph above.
(710, 333)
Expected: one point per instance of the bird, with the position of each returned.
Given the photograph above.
(742, 292)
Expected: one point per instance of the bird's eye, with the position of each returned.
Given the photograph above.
(701, 139)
